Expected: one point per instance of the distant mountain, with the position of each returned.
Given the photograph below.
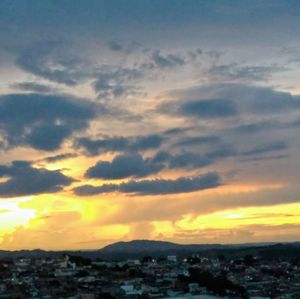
(140, 245)
(137, 246)
(124, 250)
(141, 248)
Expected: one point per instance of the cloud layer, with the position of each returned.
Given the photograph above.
(42, 121)
(22, 179)
(155, 187)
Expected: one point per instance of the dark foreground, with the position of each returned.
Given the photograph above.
(258, 272)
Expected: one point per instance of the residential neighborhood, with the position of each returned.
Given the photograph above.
(77, 277)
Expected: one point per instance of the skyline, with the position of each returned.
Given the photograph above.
(164, 120)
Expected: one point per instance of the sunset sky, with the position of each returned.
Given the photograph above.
(173, 120)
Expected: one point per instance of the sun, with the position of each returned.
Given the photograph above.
(12, 215)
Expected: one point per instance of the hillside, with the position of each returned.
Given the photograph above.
(140, 248)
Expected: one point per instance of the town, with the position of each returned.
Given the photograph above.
(194, 276)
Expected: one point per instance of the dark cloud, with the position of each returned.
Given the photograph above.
(48, 137)
(23, 179)
(175, 131)
(189, 160)
(166, 60)
(60, 157)
(119, 81)
(124, 166)
(147, 142)
(42, 121)
(89, 190)
(113, 82)
(115, 46)
(267, 101)
(262, 100)
(268, 125)
(33, 87)
(235, 72)
(180, 185)
(194, 160)
(256, 127)
(198, 140)
(266, 148)
(118, 144)
(126, 47)
(155, 187)
(222, 151)
(99, 146)
(225, 100)
(54, 61)
(213, 108)
(134, 165)
(154, 60)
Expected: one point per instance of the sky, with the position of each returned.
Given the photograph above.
(172, 120)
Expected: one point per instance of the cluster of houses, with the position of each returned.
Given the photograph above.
(193, 277)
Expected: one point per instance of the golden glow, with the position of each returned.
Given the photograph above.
(90, 223)
(12, 215)
(235, 219)
(243, 188)
(243, 216)
(63, 220)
